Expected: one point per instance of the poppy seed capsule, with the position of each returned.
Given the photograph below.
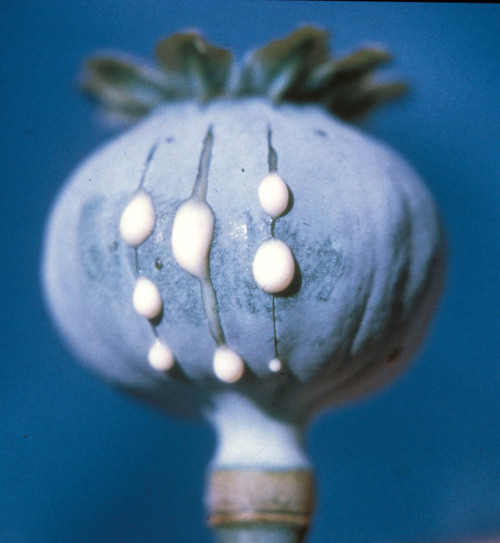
(190, 273)
(366, 242)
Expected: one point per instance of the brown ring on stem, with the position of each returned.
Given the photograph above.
(259, 496)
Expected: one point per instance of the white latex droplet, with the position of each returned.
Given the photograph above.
(160, 357)
(273, 266)
(273, 195)
(147, 298)
(192, 235)
(138, 219)
(275, 365)
(228, 365)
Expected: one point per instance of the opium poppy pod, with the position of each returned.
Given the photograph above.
(251, 258)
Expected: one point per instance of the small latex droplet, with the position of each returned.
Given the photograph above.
(275, 365)
(228, 365)
(138, 219)
(160, 356)
(273, 195)
(147, 299)
(273, 266)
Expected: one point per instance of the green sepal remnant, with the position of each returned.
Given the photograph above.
(202, 69)
(280, 69)
(127, 89)
(298, 69)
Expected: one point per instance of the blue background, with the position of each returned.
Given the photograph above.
(419, 461)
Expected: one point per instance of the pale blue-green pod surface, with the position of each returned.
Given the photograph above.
(366, 246)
